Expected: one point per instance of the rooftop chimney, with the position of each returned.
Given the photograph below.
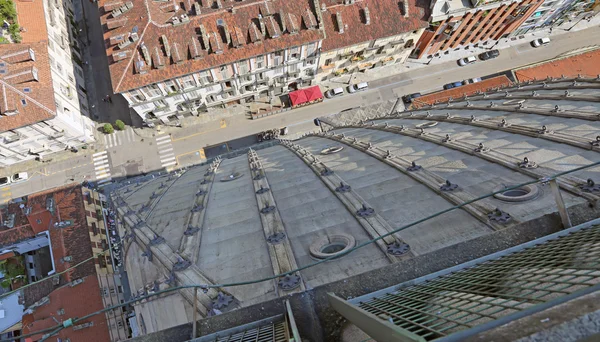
(215, 44)
(157, 59)
(204, 37)
(340, 23)
(195, 49)
(165, 42)
(405, 8)
(23, 76)
(367, 15)
(282, 20)
(176, 54)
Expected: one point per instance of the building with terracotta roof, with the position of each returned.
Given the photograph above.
(581, 63)
(457, 24)
(169, 61)
(70, 301)
(43, 102)
(50, 232)
(365, 35)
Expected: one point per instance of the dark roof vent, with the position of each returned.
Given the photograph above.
(367, 16)
(340, 23)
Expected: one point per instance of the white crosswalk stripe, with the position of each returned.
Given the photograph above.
(101, 166)
(119, 138)
(165, 151)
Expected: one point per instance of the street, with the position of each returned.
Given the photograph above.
(127, 154)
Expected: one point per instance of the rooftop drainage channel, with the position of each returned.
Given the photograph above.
(443, 187)
(190, 243)
(569, 183)
(280, 250)
(367, 217)
(522, 109)
(540, 132)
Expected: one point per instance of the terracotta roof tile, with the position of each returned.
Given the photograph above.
(586, 64)
(386, 18)
(456, 93)
(231, 30)
(26, 89)
(30, 98)
(30, 15)
(70, 300)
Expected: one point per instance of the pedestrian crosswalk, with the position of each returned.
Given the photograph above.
(101, 167)
(119, 138)
(165, 151)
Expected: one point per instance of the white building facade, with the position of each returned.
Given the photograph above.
(49, 123)
(243, 81)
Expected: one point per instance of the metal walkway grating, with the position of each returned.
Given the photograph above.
(274, 332)
(492, 289)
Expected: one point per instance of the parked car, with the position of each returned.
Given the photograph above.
(410, 97)
(334, 92)
(358, 87)
(4, 181)
(489, 55)
(471, 80)
(540, 41)
(18, 177)
(466, 60)
(452, 85)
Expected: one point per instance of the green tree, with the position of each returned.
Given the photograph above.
(15, 33)
(120, 125)
(108, 128)
(8, 10)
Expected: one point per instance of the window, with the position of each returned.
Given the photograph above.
(171, 86)
(94, 228)
(293, 68)
(205, 77)
(277, 58)
(71, 79)
(188, 82)
(328, 61)
(279, 71)
(294, 53)
(243, 68)
(310, 49)
(137, 95)
(30, 265)
(59, 68)
(225, 72)
(259, 62)
(152, 90)
(160, 103)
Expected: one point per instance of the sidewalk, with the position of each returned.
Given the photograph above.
(451, 55)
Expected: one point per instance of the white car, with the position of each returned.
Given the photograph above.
(541, 41)
(467, 60)
(358, 87)
(472, 80)
(334, 92)
(19, 177)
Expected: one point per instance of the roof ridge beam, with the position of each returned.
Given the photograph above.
(280, 250)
